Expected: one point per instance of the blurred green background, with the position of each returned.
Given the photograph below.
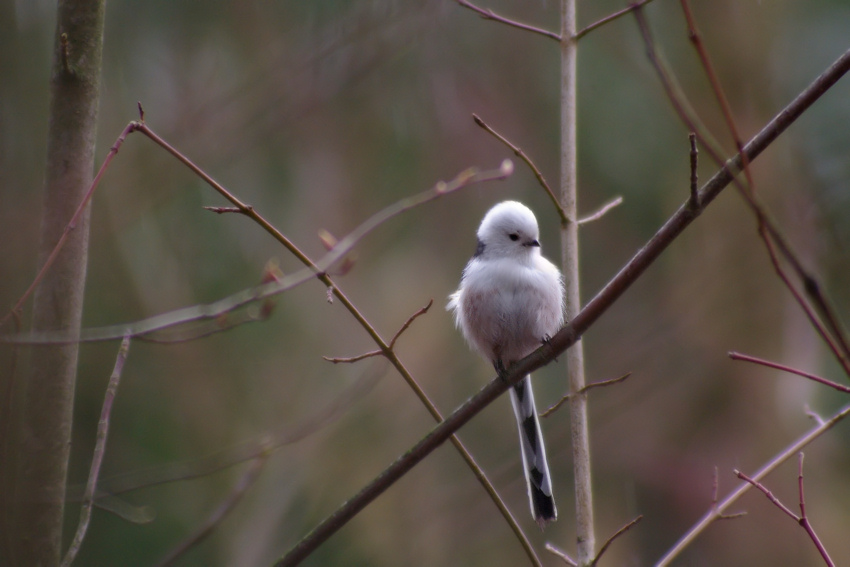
(319, 114)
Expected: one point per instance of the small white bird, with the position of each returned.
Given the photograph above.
(510, 300)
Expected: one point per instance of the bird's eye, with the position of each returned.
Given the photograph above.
(514, 236)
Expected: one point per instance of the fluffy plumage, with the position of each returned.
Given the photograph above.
(511, 299)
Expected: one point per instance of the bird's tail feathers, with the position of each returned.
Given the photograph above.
(534, 461)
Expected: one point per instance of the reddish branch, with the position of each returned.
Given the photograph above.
(747, 358)
(802, 519)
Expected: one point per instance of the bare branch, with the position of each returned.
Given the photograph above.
(522, 155)
(561, 554)
(715, 485)
(600, 384)
(222, 210)
(99, 450)
(747, 358)
(834, 335)
(219, 310)
(568, 335)
(615, 535)
(351, 359)
(489, 15)
(615, 202)
(610, 18)
(245, 482)
(372, 353)
(130, 128)
(802, 519)
(717, 510)
(404, 327)
(767, 493)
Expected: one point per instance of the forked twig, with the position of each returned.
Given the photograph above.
(802, 519)
(717, 510)
(372, 353)
(832, 334)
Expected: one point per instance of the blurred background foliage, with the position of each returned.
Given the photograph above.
(320, 113)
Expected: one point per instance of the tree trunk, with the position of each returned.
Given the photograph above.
(44, 427)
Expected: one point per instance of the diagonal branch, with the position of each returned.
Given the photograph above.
(747, 358)
(239, 490)
(522, 155)
(717, 510)
(614, 536)
(99, 450)
(831, 333)
(466, 177)
(568, 335)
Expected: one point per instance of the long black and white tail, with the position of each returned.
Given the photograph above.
(535, 466)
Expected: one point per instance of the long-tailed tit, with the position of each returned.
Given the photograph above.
(510, 300)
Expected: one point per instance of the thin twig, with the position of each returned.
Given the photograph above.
(770, 496)
(130, 128)
(694, 155)
(99, 450)
(610, 18)
(222, 210)
(715, 485)
(615, 535)
(598, 214)
(802, 519)
(561, 554)
(747, 358)
(404, 327)
(352, 359)
(244, 452)
(490, 15)
(600, 384)
(719, 94)
(835, 340)
(767, 229)
(716, 511)
(239, 490)
(359, 357)
(522, 155)
(220, 309)
(604, 383)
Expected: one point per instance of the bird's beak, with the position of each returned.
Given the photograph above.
(531, 243)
